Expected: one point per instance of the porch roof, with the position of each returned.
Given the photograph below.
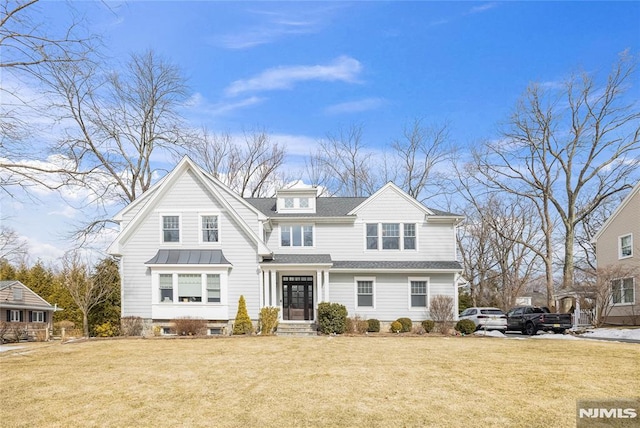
(188, 257)
(397, 265)
(300, 259)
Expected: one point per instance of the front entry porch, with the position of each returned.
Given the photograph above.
(297, 298)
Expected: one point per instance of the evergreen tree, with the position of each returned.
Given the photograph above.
(243, 324)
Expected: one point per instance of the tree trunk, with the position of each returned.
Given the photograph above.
(85, 324)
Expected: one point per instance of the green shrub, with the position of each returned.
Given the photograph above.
(106, 330)
(396, 327)
(465, 326)
(428, 325)
(268, 320)
(373, 325)
(243, 324)
(188, 326)
(332, 318)
(406, 324)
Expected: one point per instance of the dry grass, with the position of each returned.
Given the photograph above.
(310, 382)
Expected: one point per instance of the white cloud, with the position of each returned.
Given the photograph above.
(343, 68)
(355, 106)
(66, 211)
(199, 106)
(482, 8)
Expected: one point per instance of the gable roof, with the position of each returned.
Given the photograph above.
(621, 207)
(152, 196)
(36, 302)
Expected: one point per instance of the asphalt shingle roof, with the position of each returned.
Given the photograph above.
(300, 259)
(385, 264)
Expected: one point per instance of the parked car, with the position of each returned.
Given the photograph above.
(530, 319)
(486, 318)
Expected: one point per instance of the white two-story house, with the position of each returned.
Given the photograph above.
(190, 247)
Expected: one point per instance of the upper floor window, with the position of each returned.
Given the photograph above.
(170, 228)
(626, 246)
(209, 225)
(288, 202)
(623, 291)
(304, 202)
(390, 236)
(296, 236)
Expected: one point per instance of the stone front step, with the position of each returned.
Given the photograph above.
(297, 329)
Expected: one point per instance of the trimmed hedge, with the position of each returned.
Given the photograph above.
(428, 325)
(407, 325)
(396, 327)
(332, 318)
(374, 325)
(465, 326)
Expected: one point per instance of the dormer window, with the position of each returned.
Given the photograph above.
(288, 202)
(297, 200)
(304, 202)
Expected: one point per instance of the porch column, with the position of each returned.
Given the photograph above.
(261, 282)
(273, 288)
(320, 286)
(326, 285)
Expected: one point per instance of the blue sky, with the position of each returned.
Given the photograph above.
(305, 69)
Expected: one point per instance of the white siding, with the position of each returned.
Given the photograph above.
(392, 298)
(188, 199)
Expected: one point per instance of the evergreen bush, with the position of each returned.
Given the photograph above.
(268, 320)
(428, 325)
(396, 327)
(373, 325)
(406, 324)
(332, 318)
(465, 326)
(243, 324)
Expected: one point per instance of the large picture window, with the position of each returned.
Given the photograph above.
(189, 287)
(391, 236)
(296, 236)
(623, 291)
(170, 228)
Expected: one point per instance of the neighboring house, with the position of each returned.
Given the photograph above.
(23, 313)
(190, 247)
(618, 244)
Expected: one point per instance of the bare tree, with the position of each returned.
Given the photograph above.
(13, 248)
(346, 164)
(119, 121)
(569, 151)
(30, 48)
(250, 167)
(88, 288)
(420, 151)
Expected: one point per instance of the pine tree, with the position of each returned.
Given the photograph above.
(243, 324)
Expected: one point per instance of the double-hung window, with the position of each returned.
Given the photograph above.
(418, 294)
(626, 246)
(189, 287)
(364, 291)
(37, 316)
(166, 287)
(390, 236)
(372, 236)
(170, 228)
(213, 288)
(296, 236)
(210, 228)
(623, 291)
(409, 236)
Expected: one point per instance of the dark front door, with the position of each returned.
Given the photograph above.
(297, 298)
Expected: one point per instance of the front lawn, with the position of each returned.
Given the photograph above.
(312, 382)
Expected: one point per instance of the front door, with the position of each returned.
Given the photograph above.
(297, 298)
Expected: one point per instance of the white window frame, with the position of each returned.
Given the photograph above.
(380, 238)
(203, 272)
(14, 316)
(302, 231)
(162, 216)
(371, 279)
(623, 302)
(173, 289)
(427, 297)
(37, 316)
(620, 238)
(201, 229)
